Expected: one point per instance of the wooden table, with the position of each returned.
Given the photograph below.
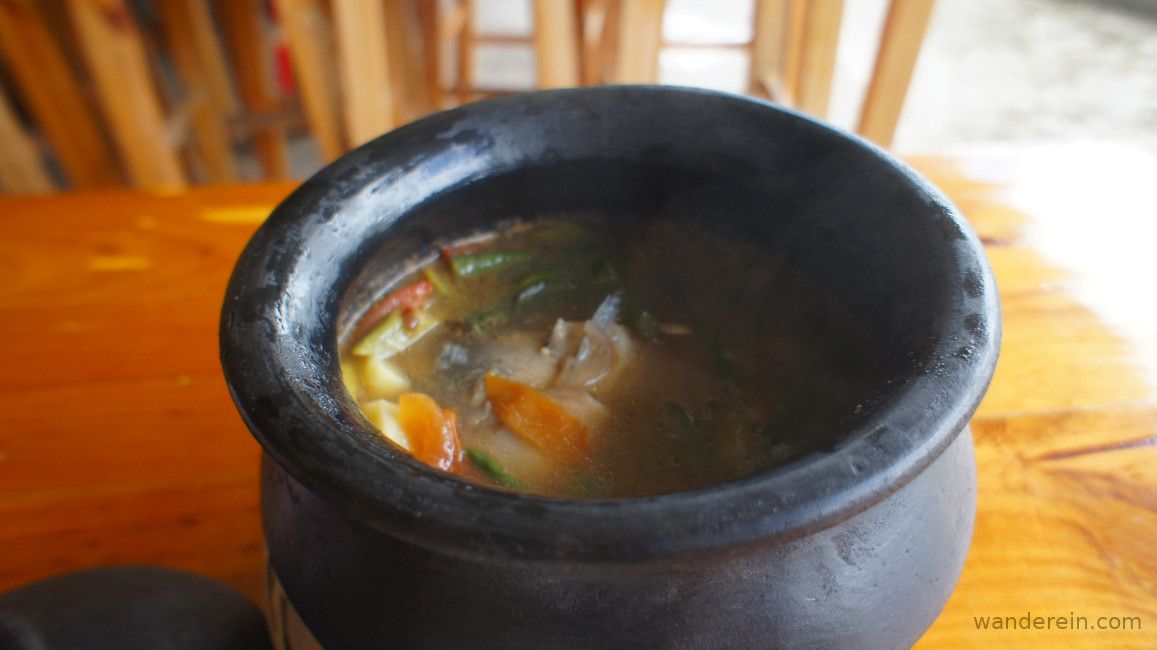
(119, 443)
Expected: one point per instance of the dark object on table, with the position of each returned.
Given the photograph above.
(856, 546)
(129, 608)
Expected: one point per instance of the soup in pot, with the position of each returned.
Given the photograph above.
(596, 358)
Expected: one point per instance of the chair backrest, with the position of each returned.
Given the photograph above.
(362, 66)
(554, 38)
(366, 66)
(792, 50)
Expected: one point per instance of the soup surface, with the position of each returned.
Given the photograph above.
(596, 357)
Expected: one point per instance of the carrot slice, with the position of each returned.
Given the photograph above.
(412, 297)
(432, 431)
(540, 420)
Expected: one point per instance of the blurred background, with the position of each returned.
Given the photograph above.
(166, 93)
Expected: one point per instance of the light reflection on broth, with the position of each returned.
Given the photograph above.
(592, 358)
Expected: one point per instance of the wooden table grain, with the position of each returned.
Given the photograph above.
(119, 443)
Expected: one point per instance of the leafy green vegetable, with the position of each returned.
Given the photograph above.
(491, 468)
(552, 282)
(587, 486)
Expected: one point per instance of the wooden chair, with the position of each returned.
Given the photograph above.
(88, 86)
(50, 90)
(363, 66)
(115, 57)
(388, 56)
(266, 114)
(900, 43)
(554, 39)
(88, 73)
(793, 53)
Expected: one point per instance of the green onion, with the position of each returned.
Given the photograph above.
(491, 468)
(465, 266)
(541, 277)
(488, 318)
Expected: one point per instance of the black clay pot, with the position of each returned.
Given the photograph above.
(856, 546)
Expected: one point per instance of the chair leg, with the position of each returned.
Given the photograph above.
(243, 25)
(466, 37)
(770, 36)
(53, 95)
(21, 169)
(592, 28)
(406, 37)
(367, 93)
(900, 42)
(191, 38)
(115, 54)
(556, 44)
(817, 60)
(640, 35)
(309, 44)
(429, 17)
